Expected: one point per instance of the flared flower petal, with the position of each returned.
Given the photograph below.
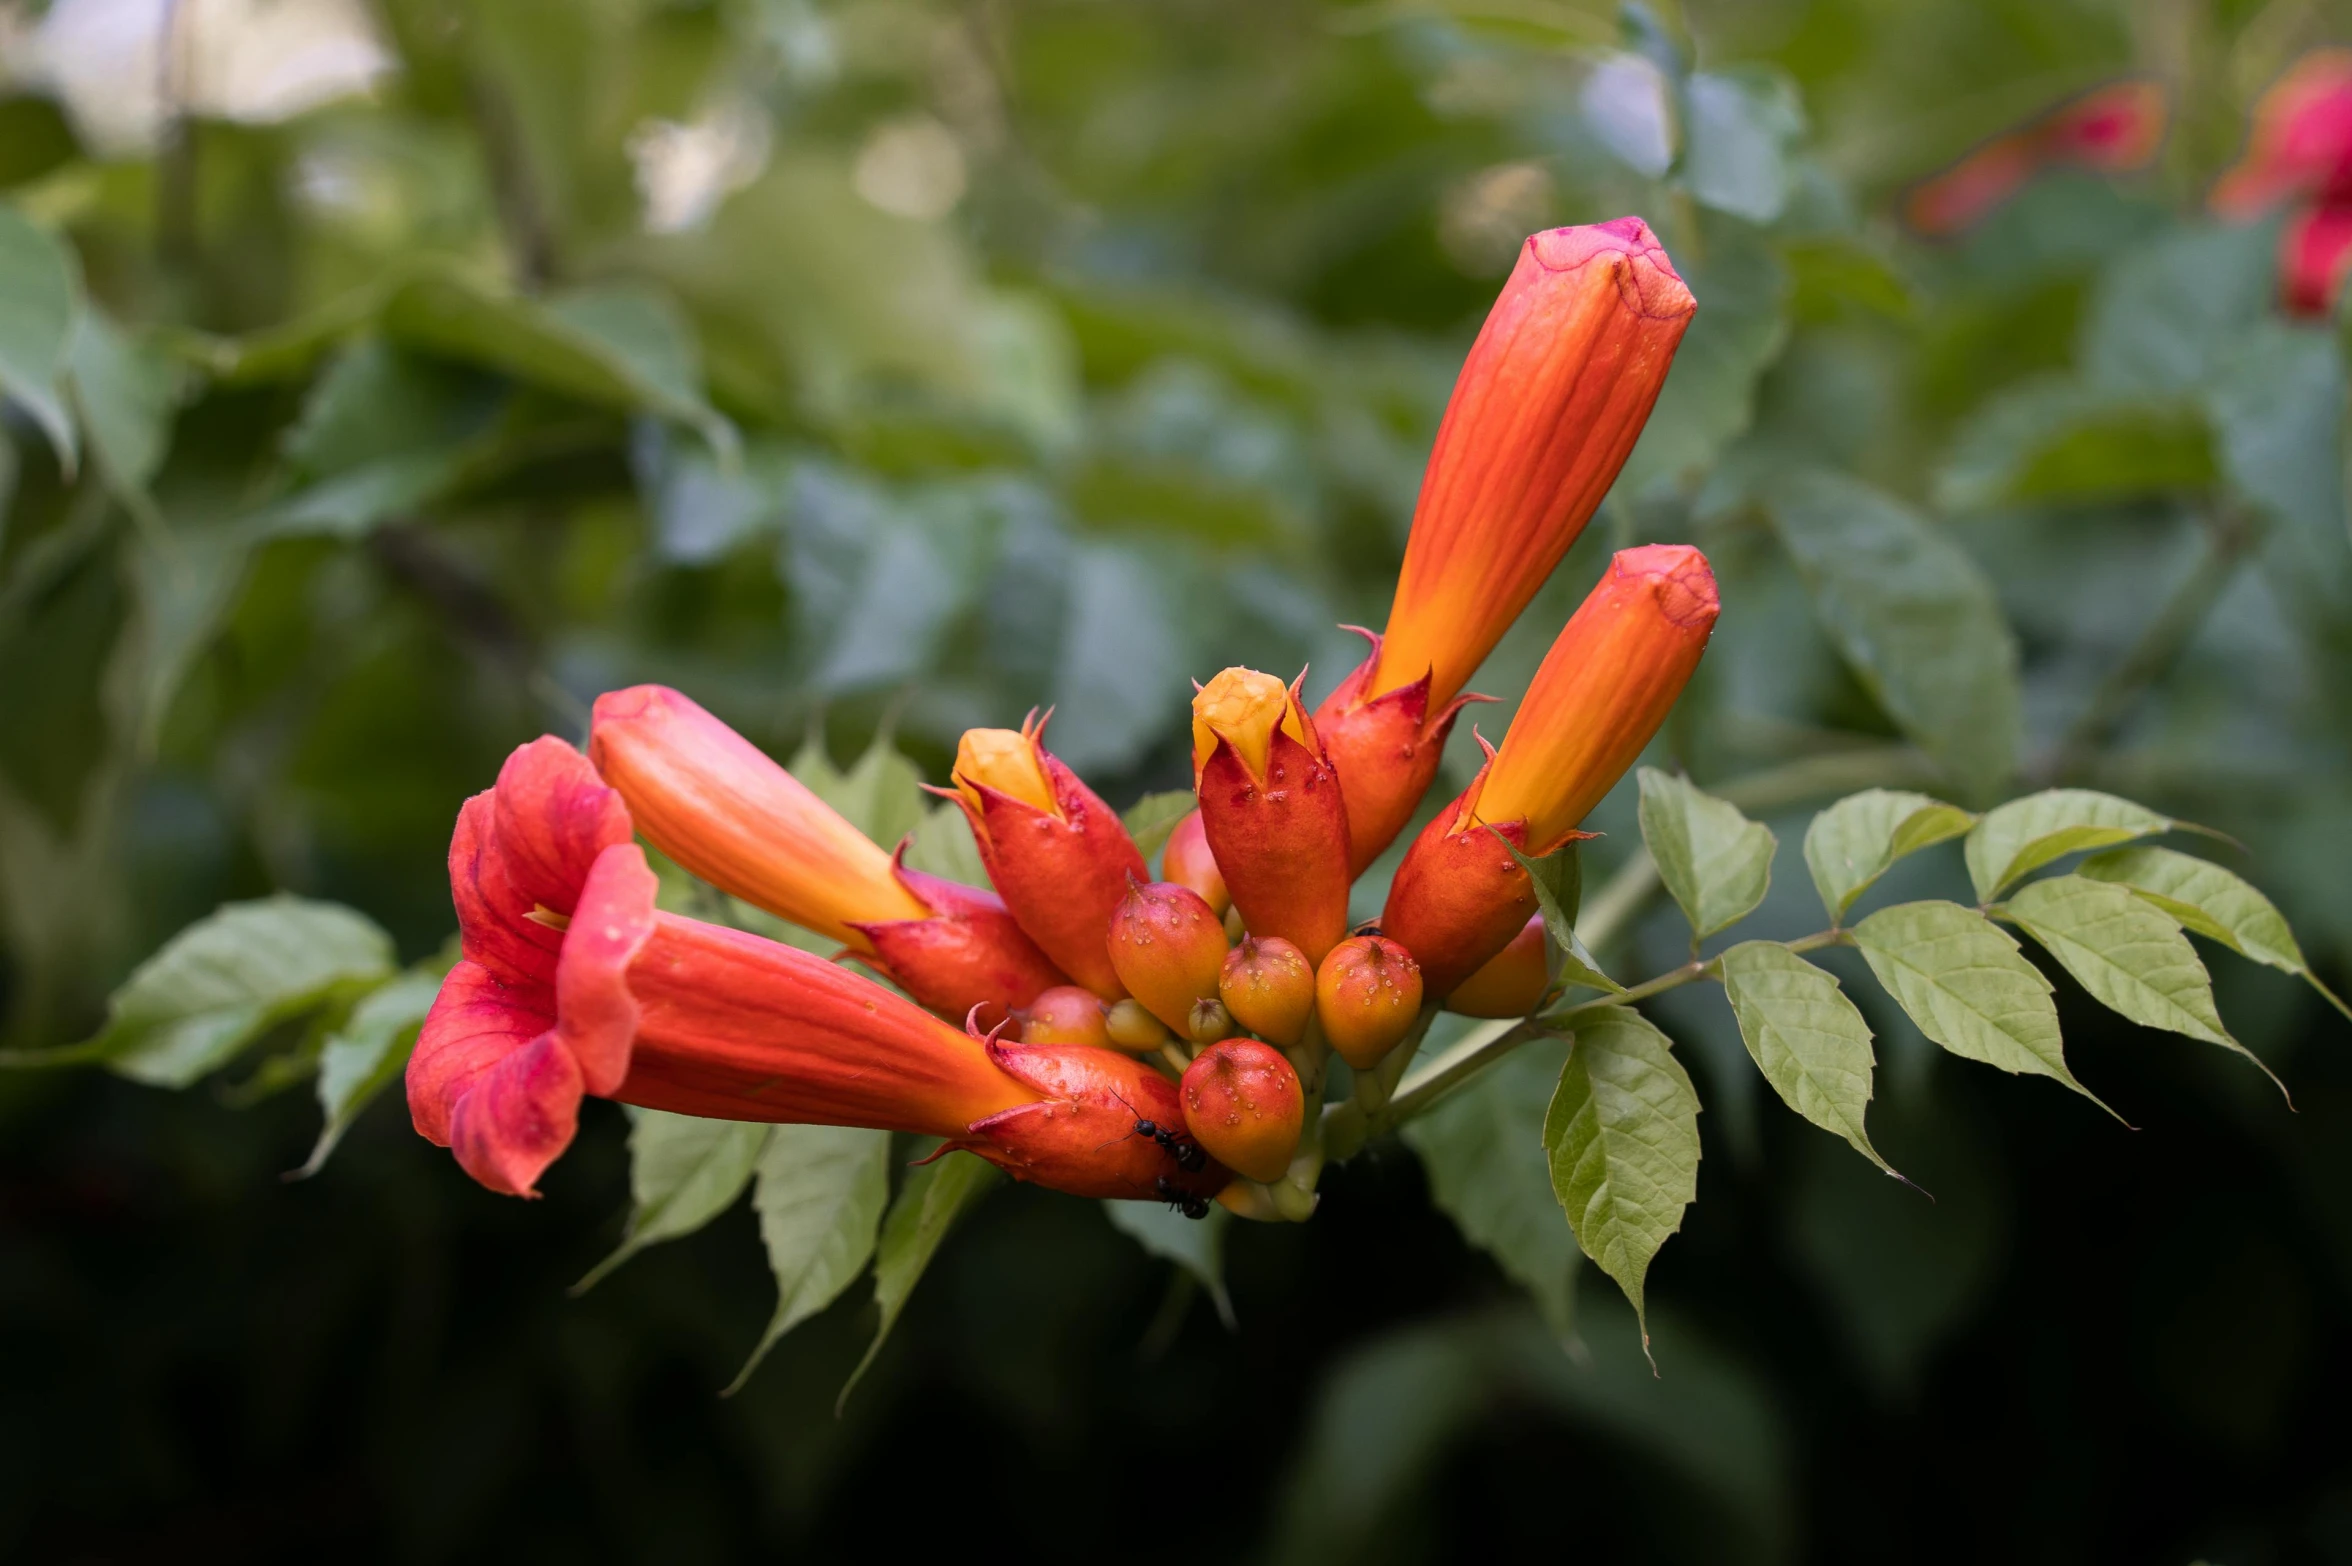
(1271, 809)
(1058, 855)
(1547, 408)
(674, 1014)
(2315, 251)
(2300, 143)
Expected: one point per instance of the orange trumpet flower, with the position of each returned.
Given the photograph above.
(1602, 692)
(720, 807)
(1546, 410)
(572, 984)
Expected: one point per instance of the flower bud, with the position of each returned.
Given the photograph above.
(1243, 1104)
(1132, 1028)
(1065, 1014)
(1188, 862)
(1058, 856)
(1271, 809)
(1269, 987)
(1367, 993)
(1543, 415)
(1513, 981)
(1167, 948)
(1208, 1021)
(1602, 692)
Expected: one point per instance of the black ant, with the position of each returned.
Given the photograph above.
(1181, 1200)
(1187, 1153)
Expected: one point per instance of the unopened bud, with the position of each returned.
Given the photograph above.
(1208, 1021)
(1367, 994)
(1235, 926)
(1167, 946)
(1242, 1103)
(1513, 980)
(1130, 1027)
(1188, 862)
(1065, 1014)
(1269, 987)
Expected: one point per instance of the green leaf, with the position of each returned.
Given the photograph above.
(2020, 837)
(1855, 841)
(40, 292)
(622, 346)
(126, 391)
(2167, 310)
(1119, 671)
(186, 581)
(367, 1054)
(881, 794)
(1715, 862)
(2210, 901)
(1743, 126)
(1558, 879)
(1197, 1246)
(1622, 1137)
(225, 980)
(821, 1192)
(1151, 819)
(1483, 1147)
(2278, 401)
(1914, 617)
(1808, 1039)
(2058, 440)
(934, 1196)
(1962, 979)
(2127, 953)
(683, 1172)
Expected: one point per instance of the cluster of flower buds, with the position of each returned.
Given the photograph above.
(1083, 1025)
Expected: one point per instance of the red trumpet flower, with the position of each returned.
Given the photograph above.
(1603, 690)
(2300, 151)
(1060, 856)
(1545, 412)
(573, 984)
(2110, 130)
(716, 803)
(1272, 810)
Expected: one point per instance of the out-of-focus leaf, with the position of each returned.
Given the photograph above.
(943, 846)
(126, 390)
(351, 504)
(224, 981)
(2277, 401)
(377, 401)
(2020, 837)
(1119, 679)
(2215, 903)
(1483, 1147)
(2167, 311)
(1962, 979)
(2129, 954)
(368, 1053)
(1808, 1039)
(2061, 441)
(1622, 1136)
(1624, 104)
(1197, 1246)
(1855, 841)
(702, 507)
(881, 794)
(1151, 819)
(1914, 617)
(821, 1192)
(185, 580)
(40, 293)
(1709, 395)
(928, 1205)
(683, 1172)
(1742, 127)
(1715, 862)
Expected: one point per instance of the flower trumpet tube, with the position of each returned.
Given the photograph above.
(1187, 862)
(572, 984)
(719, 806)
(1543, 415)
(1512, 982)
(1271, 809)
(1601, 693)
(1058, 855)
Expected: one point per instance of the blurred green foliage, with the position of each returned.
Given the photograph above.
(881, 367)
